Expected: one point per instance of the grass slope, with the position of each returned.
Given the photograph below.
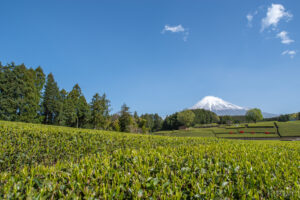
(48, 162)
(289, 128)
(255, 130)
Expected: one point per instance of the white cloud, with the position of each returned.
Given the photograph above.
(275, 13)
(291, 53)
(249, 18)
(174, 29)
(285, 39)
(177, 29)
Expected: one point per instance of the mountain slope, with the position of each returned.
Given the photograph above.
(221, 107)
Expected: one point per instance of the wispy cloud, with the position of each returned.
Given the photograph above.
(174, 29)
(249, 18)
(285, 39)
(275, 13)
(177, 29)
(291, 53)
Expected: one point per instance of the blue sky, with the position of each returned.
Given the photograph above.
(162, 56)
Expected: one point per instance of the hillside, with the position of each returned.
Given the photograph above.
(286, 129)
(50, 162)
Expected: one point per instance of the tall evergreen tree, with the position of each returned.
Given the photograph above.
(61, 117)
(51, 101)
(157, 123)
(77, 109)
(69, 112)
(83, 112)
(125, 119)
(8, 105)
(30, 84)
(100, 111)
(20, 93)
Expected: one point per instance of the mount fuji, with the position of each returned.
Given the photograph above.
(221, 107)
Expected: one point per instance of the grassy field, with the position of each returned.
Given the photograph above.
(191, 132)
(260, 129)
(289, 128)
(48, 162)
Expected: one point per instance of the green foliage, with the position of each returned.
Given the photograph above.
(114, 123)
(77, 109)
(254, 115)
(171, 122)
(226, 119)
(100, 112)
(21, 99)
(201, 116)
(289, 128)
(48, 162)
(20, 90)
(153, 122)
(186, 117)
(62, 103)
(204, 117)
(284, 118)
(51, 101)
(255, 130)
(125, 119)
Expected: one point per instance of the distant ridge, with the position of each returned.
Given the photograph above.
(221, 107)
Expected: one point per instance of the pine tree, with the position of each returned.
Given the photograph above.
(125, 119)
(61, 117)
(76, 108)
(100, 112)
(69, 112)
(51, 100)
(83, 112)
(8, 105)
(39, 85)
(25, 92)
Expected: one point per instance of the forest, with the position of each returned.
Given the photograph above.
(29, 95)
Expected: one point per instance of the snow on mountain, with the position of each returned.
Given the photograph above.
(221, 107)
(214, 103)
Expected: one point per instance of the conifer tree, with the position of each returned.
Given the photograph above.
(100, 112)
(51, 100)
(125, 119)
(77, 109)
(23, 89)
(8, 105)
(61, 117)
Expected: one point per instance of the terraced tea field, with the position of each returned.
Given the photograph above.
(48, 162)
(258, 130)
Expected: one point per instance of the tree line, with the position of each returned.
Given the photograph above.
(188, 118)
(28, 95)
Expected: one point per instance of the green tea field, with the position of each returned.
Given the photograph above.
(50, 162)
(258, 130)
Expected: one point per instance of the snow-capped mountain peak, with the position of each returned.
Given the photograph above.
(216, 104)
(221, 107)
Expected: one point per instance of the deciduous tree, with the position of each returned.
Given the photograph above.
(254, 115)
(186, 117)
